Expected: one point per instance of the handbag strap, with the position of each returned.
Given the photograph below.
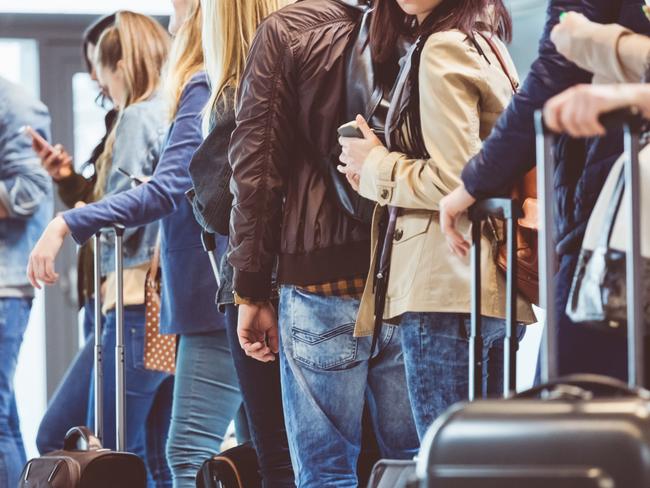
(497, 53)
(155, 261)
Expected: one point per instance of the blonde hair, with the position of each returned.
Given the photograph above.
(228, 30)
(185, 58)
(142, 45)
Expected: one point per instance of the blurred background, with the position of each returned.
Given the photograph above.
(40, 48)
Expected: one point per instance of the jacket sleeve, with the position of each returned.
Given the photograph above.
(161, 195)
(509, 152)
(450, 83)
(610, 51)
(260, 149)
(24, 184)
(211, 173)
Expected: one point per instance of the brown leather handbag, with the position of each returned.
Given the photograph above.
(525, 191)
(159, 349)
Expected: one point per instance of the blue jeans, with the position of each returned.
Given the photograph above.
(68, 407)
(327, 377)
(436, 355)
(14, 316)
(206, 399)
(260, 389)
(148, 397)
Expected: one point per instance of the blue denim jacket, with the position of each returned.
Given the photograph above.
(25, 188)
(139, 136)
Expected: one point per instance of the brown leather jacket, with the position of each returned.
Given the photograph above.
(291, 101)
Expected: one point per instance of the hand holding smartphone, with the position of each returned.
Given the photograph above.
(39, 143)
(55, 159)
(351, 129)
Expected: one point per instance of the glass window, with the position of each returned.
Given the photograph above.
(528, 18)
(20, 63)
(151, 7)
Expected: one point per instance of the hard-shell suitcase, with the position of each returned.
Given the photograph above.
(83, 463)
(577, 431)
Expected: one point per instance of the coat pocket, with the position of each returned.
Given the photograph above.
(410, 225)
(408, 246)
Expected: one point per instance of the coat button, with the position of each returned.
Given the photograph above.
(384, 194)
(399, 233)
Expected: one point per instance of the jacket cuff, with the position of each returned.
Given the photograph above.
(472, 181)
(376, 182)
(252, 286)
(74, 223)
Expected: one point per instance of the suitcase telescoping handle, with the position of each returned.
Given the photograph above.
(120, 379)
(631, 123)
(510, 211)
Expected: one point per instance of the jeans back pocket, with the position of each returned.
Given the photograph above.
(322, 330)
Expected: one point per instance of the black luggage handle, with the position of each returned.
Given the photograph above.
(81, 439)
(499, 208)
(510, 211)
(631, 121)
(120, 378)
(630, 117)
(591, 382)
(624, 117)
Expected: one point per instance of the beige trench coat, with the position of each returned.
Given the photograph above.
(461, 97)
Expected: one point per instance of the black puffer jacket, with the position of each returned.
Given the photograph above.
(509, 152)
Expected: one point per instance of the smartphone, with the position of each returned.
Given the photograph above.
(134, 179)
(40, 140)
(351, 129)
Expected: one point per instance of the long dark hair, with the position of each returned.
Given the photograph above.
(92, 34)
(390, 25)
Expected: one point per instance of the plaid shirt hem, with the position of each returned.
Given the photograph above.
(346, 288)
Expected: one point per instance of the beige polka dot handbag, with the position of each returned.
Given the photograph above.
(159, 349)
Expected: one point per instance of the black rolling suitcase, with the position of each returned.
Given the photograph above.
(83, 463)
(234, 468)
(573, 432)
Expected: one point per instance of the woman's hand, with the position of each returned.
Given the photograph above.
(576, 111)
(41, 260)
(355, 151)
(57, 163)
(564, 33)
(451, 207)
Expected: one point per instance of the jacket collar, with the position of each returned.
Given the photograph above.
(362, 5)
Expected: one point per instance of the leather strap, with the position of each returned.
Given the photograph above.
(81, 439)
(155, 261)
(502, 62)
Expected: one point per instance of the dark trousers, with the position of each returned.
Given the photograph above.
(260, 389)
